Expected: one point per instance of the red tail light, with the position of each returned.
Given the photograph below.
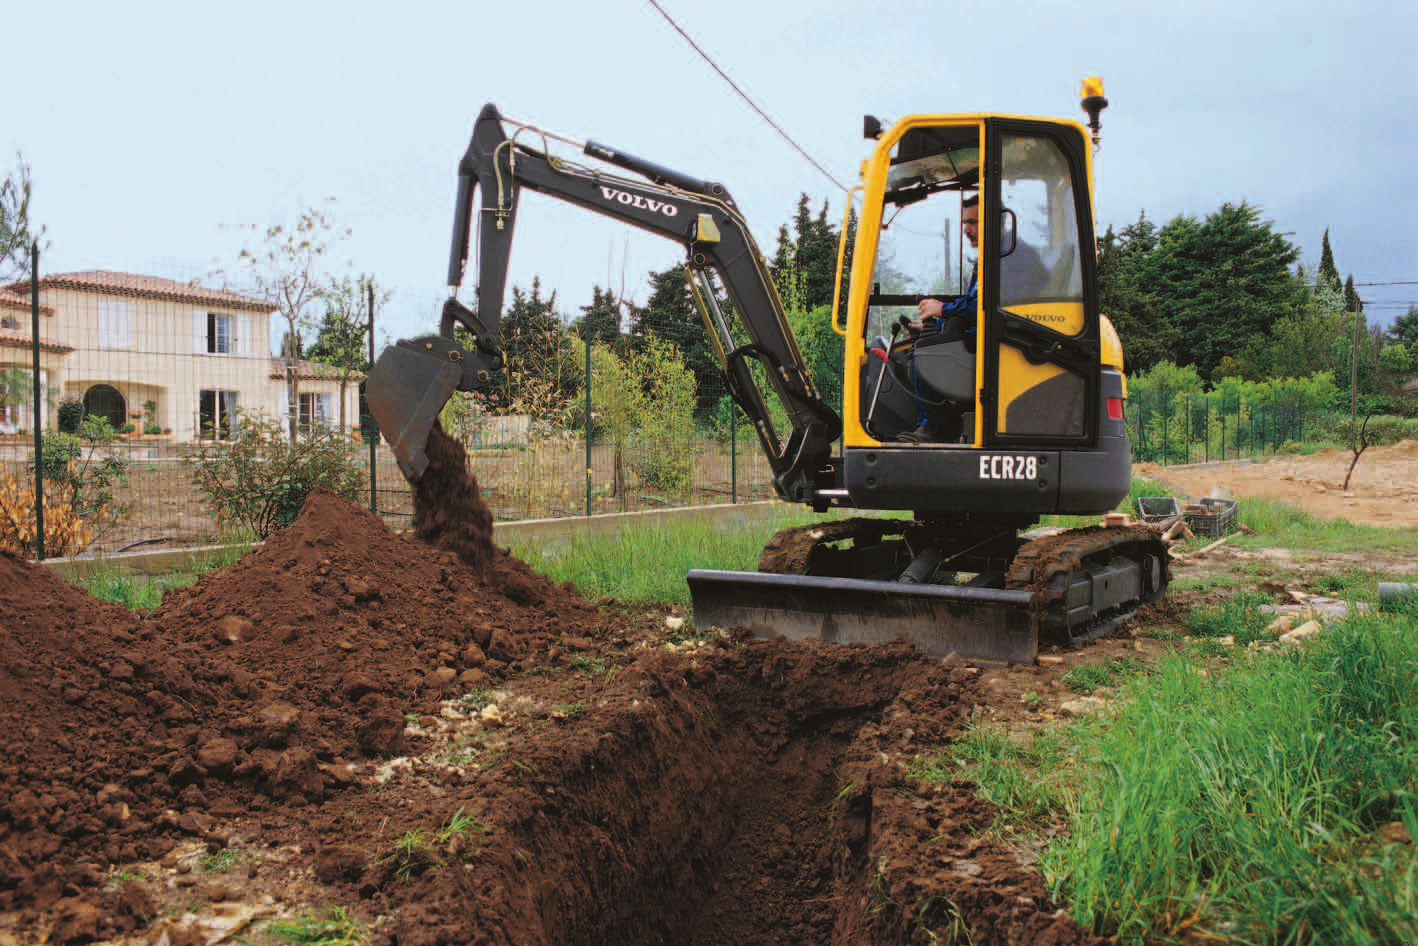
(1115, 408)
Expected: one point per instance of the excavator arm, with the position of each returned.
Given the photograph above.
(414, 378)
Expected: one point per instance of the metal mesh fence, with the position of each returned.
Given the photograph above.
(1171, 428)
(134, 375)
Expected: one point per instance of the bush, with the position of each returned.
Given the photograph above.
(153, 429)
(78, 500)
(70, 415)
(259, 479)
(127, 428)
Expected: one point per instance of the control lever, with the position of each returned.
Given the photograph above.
(883, 351)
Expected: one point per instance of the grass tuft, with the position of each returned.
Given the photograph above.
(1247, 803)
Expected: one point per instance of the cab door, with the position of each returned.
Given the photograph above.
(1038, 287)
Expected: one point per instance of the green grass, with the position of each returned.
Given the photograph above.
(1088, 678)
(143, 594)
(334, 927)
(1024, 778)
(1247, 802)
(647, 566)
(1281, 525)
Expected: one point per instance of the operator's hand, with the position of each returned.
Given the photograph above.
(929, 309)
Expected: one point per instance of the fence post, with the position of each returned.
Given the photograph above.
(587, 423)
(374, 441)
(1166, 443)
(37, 394)
(733, 452)
(1187, 443)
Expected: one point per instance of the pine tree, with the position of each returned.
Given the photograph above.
(600, 321)
(1328, 273)
(1352, 302)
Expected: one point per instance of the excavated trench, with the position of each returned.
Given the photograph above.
(723, 796)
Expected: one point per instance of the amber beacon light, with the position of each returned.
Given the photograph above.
(1093, 103)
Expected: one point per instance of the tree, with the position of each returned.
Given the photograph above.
(1328, 275)
(1123, 297)
(16, 232)
(1352, 302)
(671, 316)
(283, 266)
(1404, 330)
(805, 263)
(1218, 282)
(600, 321)
(342, 337)
(543, 372)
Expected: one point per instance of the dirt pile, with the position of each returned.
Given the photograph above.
(261, 685)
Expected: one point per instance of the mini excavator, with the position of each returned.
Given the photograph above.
(1019, 391)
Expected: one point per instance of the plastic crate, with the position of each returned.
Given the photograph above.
(1211, 516)
(1157, 508)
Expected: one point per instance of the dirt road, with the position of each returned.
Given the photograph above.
(1383, 490)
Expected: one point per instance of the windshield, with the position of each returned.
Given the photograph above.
(920, 251)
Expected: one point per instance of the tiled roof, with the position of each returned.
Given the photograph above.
(104, 282)
(10, 339)
(14, 300)
(311, 371)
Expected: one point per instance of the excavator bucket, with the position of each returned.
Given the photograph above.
(940, 620)
(407, 388)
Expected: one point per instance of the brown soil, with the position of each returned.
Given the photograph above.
(451, 749)
(1383, 489)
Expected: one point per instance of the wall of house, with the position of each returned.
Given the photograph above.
(154, 350)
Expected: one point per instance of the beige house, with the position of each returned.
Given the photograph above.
(159, 354)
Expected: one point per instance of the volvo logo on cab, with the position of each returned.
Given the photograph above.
(636, 200)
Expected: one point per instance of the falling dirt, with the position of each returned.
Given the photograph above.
(448, 510)
(454, 750)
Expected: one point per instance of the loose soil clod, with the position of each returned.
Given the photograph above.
(301, 709)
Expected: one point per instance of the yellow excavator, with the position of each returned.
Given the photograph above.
(976, 399)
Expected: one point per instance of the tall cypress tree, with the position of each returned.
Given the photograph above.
(1328, 272)
(1352, 302)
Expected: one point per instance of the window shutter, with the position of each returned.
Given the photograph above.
(199, 331)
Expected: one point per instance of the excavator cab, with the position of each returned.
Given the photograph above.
(1017, 373)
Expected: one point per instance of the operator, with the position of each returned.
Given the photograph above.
(1022, 278)
(929, 428)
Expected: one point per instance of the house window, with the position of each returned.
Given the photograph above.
(115, 323)
(314, 411)
(215, 414)
(218, 334)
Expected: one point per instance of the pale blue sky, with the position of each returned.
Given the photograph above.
(149, 126)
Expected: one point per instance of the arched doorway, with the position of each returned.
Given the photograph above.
(105, 401)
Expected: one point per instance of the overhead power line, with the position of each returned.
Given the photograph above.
(744, 95)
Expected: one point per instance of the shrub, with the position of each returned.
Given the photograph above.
(78, 502)
(70, 415)
(259, 479)
(65, 532)
(127, 428)
(152, 429)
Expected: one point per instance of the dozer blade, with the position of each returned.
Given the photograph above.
(940, 620)
(407, 389)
